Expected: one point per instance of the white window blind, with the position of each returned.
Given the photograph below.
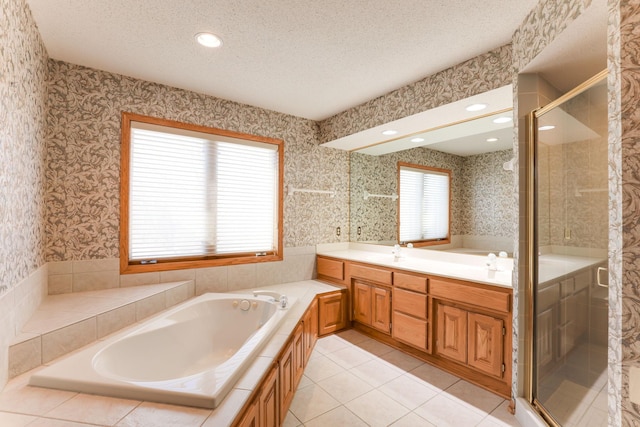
(196, 196)
(424, 204)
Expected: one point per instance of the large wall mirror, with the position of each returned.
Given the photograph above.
(477, 150)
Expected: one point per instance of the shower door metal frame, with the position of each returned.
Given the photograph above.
(531, 253)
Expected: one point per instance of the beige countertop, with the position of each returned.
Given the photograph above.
(439, 263)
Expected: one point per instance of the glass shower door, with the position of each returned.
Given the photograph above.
(569, 257)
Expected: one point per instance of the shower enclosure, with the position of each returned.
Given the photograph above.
(567, 259)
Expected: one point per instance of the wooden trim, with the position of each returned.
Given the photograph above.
(430, 242)
(127, 267)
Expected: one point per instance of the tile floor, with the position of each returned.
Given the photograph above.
(351, 380)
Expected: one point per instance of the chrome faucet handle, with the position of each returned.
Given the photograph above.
(275, 295)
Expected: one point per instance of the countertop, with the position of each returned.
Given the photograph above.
(444, 264)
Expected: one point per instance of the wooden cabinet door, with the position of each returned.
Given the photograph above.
(251, 417)
(332, 312)
(486, 344)
(452, 333)
(286, 378)
(269, 407)
(298, 354)
(310, 322)
(381, 309)
(362, 303)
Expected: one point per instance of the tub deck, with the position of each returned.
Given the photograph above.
(66, 322)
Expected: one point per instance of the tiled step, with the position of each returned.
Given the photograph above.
(63, 323)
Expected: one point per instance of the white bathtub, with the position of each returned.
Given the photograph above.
(190, 355)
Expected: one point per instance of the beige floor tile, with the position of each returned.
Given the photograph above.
(330, 344)
(408, 392)
(291, 421)
(477, 398)
(311, 402)
(445, 412)
(377, 409)
(304, 382)
(352, 336)
(502, 416)
(48, 422)
(14, 420)
(157, 414)
(376, 372)
(412, 420)
(345, 386)
(93, 409)
(321, 368)
(33, 400)
(401, 360)
(434, 377)
(339, 416)
(374, 347)
(349, 357)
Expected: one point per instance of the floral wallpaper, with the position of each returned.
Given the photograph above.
(477, 75)
(83, 165)
(480, 193)
(23, 94)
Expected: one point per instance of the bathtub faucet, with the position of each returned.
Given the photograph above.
(279, 298)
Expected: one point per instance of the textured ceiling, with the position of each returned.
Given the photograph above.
(311, 59)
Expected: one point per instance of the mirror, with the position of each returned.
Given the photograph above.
(478, 153)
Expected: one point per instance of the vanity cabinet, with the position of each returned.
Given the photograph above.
(332, 312)
(372, 306)
(263, 411)
(310, 324)
(471, 325)
(410, 313)
(287, 374)
(459, 325)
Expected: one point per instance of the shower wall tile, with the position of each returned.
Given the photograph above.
(269, 273)
(60, 284)
(150, 305)
(150, 278)
(25, 356)
(95, 280)
(177, 275)
(241, 276)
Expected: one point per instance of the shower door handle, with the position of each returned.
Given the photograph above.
(598, 281)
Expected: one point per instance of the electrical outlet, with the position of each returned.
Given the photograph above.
(567, 234)
(359, 231)
(338, 231)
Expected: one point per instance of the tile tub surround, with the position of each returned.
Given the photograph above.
(351, 380)
(19, 401)
(63, 323)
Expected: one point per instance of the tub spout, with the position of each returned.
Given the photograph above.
(279, 298)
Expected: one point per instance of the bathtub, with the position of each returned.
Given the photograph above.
(190, 355)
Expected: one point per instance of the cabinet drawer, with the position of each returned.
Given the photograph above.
(480, 297)
(370, 273)
(331, 268)
(547, 297)
(410, 330)
(410, 302)
(583, 280)
(410, 282)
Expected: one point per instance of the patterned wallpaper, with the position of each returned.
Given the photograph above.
(23, 94)
(481, 193)
(477, 75)
(83, 143)
(625, 165)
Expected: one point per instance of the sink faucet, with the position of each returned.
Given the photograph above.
(275, 296)
(397, 252)
(492, 262)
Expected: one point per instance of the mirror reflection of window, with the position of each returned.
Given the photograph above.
(424, 203)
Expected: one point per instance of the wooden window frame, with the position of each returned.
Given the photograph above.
(126, 266)
(426, 242)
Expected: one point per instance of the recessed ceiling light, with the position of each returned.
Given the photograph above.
(208, 40)
(503, 119)
(417, 140)
(547, 127)
(476, 107)
(389, 132)
(492, 139)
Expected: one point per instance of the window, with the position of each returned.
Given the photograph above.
(424, 204)
(196, 196)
